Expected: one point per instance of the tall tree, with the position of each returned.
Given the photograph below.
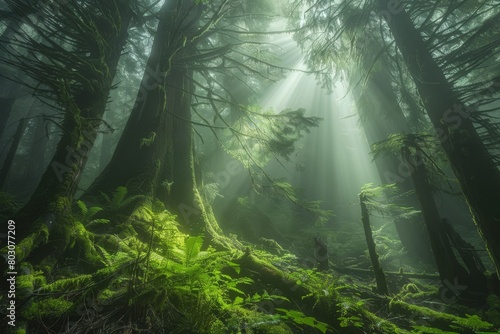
(146, 146)
(381, 115)
(473, 165)
(189, 51)
(75, 77)
(470, 160)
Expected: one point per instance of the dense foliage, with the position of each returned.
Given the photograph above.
(148, 185)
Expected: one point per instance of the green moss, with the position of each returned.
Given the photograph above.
(61, 205)
(218, 327)
(47, 265)
(86, 250)
(51, 308)
(493, 312)
(273, 329)
(68, 284)
(9, 205)
(439, 320)
(29, 281)
(29, 243)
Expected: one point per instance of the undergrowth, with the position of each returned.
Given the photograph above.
(156, 279)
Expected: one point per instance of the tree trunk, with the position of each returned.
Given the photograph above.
(450, 270)
(37, 152)
(385, 117)
(157, 145)
(8, 88)
(321, 254)
(145, 146)
(4, 172)
(471, 162)
(6, 105)
(377, 269)
(468, 254)
(50, 203)
(105, 151)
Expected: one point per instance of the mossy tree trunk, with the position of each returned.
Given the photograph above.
(146, 146)
(472, 164)
(157, 144)
(50, 205)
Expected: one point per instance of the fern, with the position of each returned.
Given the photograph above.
(119, 200)
(87, 214)
(301, 319)
(210, 192)
(118, 197)
(380, 199)
(193, 247)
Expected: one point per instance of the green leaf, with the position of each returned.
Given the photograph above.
(193, 246)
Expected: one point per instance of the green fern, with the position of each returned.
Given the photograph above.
(380, 200)
(193, 247)
(119, 200)
(301, 319)
(87, 214)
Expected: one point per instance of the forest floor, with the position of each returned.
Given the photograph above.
(149, 277)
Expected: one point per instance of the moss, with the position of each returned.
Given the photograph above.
(381, 325)
(110, 243)
(29, 243)
(51, 308)
(84, 246)
(9, 205)
(218, 327)
(108, 296)
(493, 312)
(410, 288)
(47, 265)
(439, 320)
(68, 284)
(273, 329)
(61, 206)
(28, 281)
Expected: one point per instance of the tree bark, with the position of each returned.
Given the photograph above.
(9, 159)
(471, 260)
(377, 269)
(472, 164)
(6, 105)
(8, 89)
(105, 151)
(145, 139)
(156, 145)
(383, 118)
(37, 151)
(450, 270)
(50, 203)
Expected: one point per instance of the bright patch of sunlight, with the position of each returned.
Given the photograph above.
(333, 161)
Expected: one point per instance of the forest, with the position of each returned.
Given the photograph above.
(250, 166)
